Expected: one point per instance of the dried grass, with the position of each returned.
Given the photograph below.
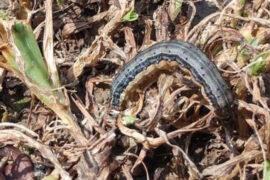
(176, 133)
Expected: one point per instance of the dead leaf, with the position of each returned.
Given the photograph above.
(130, 43)
(161, 19)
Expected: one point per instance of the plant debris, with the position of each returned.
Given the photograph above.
(57, 63)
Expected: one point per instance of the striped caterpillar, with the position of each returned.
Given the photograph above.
(187, 56)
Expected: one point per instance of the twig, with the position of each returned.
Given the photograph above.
(198, 27)
(195, 170)
(91, 120)
(261, 21)
(187, 26)
(31, 109)
(23, 128)
(146, 170)
(259, 137)
(148, 142)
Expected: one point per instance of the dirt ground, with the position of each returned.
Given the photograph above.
(167, 127)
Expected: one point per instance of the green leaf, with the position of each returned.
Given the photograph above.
(217, 49)
(245, 14)
(254, 42)
(266, 170)
(257, 68)
(131, 16)
(242, 2)
(19, 105)
(34, 65)
(59, 4)
(129, 120)
(259, 64)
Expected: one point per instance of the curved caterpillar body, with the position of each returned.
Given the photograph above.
(186, 55)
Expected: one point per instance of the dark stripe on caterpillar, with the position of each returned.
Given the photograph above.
(186, 55)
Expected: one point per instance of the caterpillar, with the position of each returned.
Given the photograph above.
(174, 52)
